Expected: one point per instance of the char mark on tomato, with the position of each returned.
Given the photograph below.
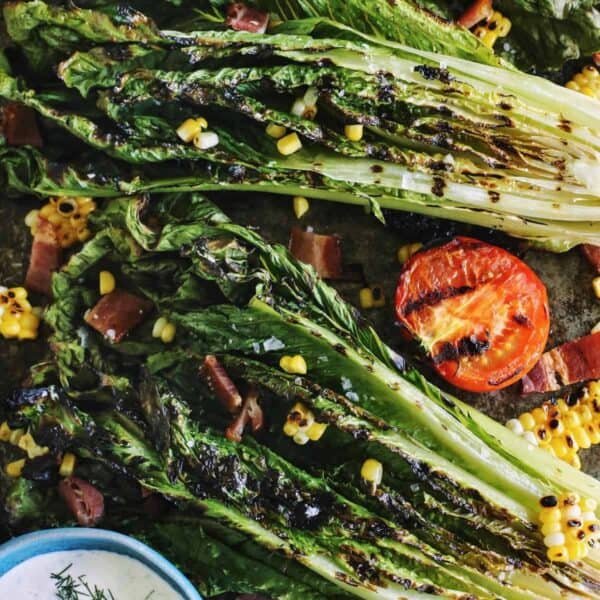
(466, 346)
(435, 297)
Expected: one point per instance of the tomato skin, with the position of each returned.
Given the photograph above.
(480, 312)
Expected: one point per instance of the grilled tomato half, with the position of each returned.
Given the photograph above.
(481, 313)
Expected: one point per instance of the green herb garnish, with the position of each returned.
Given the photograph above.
(69, 588)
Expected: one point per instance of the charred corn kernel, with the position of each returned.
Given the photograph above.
(17, 317)
(354, 132)
(69, 217)
(167, 335)
(406, 251)
(15, 436)
(15, 468)
(67, 465)
(31, 218)
(587, 81)
(275, 131)
(301, 415)
(372, 297)
(301, 206)
(315, 431)
(293, 364)
(557, 554)
(159, 325)
(190, 128)
(29, 445)
(291, 428)
(372, 471)
(4, 432)
(298, 107)
(495, 27)
(106, 283)
(289, 144)
(205, 140)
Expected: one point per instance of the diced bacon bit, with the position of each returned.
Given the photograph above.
(117, 313)
(251, 413)
(574, 361)
(45, 258)
(592, 253)
(323, 252)
(83, 499)
(19, 125)
(479, 11)
(221, 384)
(242, 17)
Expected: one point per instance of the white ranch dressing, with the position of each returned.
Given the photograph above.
(127, 578)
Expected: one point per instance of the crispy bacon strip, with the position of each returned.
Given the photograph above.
(475, 13)
(323, 252)
(246, 18)
(19, 124)
(251, 413)
(83, 499)
(45, 258)
(592, 253)
(117, 313)
(221, 384)
(575, 361)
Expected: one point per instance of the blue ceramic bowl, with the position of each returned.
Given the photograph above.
(33, 544)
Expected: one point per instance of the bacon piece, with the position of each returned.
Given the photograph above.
(45, 258)
(242, 17)
(83, 499)
(19, 124)
(221, 384)
(592, 253)
(596, 58)
(475, 13)
(323, 252)
(251, 413)
(574, 361)
(117, 313)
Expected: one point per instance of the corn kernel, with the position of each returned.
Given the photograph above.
(293, 364)
(27, 443)
(168, 333)
(190, 128)
(159, 325)
(596, 286)
(581, 437)
(515, 426)
(301, 438)
(365, 298)
(557, 554)
(354, 132)
(15, 436)
(576, 550)
(275, 131)
(372, 471)
(406, 251)
(107, 282)
(551, 527)
(67, 465)
(4, 432)
(205, 140)
(550, 515)
(301, 206)
(31, 218)
(527, 421)
(554, 539)
(289, 144)
(290, 428)
(15, 468)
(315, 431)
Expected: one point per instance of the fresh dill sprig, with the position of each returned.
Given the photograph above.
(68, 588)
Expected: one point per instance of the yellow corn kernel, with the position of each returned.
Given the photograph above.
(559, 446)
(558, 554)
(27, 443)
(539, 415)
(301, 206)
(168, 333)
(581, 437)
(551, 527)
(15, 436)
(15, 468)
(550, 515)
(67, 465)
(289, 144)
(275, 131)
(596, 286)
(585, 414)
(291, 428)
(354, 132)
(301, 438)
(575, 462)
(406, 251)
(577, 550)
(572, 420)
(527, 421)
(488, 38)
(159, 325)
(365, 298)
(10, 326)
(572, 85)
(372, 471)
(107, 282)
(315, 431)
(293, 364)
(4, 432)
(589, 504)
(190, 128)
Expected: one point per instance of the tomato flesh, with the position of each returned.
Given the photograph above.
(480, 312)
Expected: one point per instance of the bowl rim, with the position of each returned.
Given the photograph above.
(17, 550)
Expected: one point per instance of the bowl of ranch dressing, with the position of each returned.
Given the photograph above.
(88, 563)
